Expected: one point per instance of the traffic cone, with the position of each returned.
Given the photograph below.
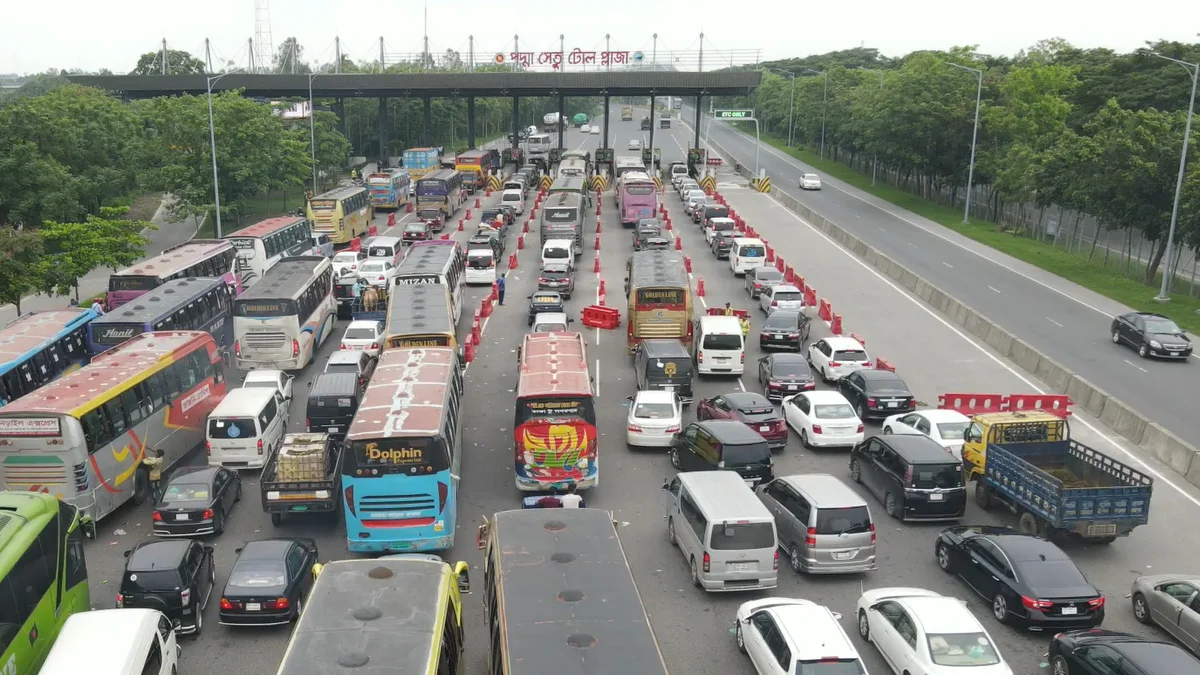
(602, 291)
(525, 229)
(475, 332)
(597, 208)
(495, 294)
(460, 224)
(678, 243)
(669, 228)
(391, 220)
(687, 264)
(477, 203)
(408, 207)
(469, 211)
(512, 261)
(446, 237)
(521, 243)
(700, 287)
(597, 242)
(599, 226)
(468, 352)
(596, 266)
(485, 308)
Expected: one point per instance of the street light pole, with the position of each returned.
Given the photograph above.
(824, 105)
(1194, 69)
(312, 131)
(212, 140)
(875, 157)
(974, 137)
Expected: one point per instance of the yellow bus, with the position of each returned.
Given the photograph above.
(419, 315)
(344, 213)
(660, 297)
(401, 614)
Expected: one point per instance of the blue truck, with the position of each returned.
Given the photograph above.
(1064, 488)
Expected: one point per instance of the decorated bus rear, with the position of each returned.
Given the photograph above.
(555, 419)
(660, 297)
(475, 167)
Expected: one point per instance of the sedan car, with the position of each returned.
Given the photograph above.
(551, 322)
(721, 243)
(761, 278)
(685, 185)
(270, 379)
(1026, 579)
(417, 231)
(785, 329)
(947, 427)
(556, 276)
(695, 199)
(635, 144)
(810, 181)
(347, 262)
(268, 582)
(595, 131)
(365, 336)
(378, 273)
(836, 357)
(1091, 651)
(656, 244)
(646, 228)
(654, 417)
(824, 419)
(750, 408)
(784, 375)
(876, 393)
(196, 500)
(1172, 601)
(1152, 335)
(919, 631)
(792, 635)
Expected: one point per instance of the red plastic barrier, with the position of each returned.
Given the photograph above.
(495, 294)
(373, 230)
(751, 233)
(460, 225)
(392, 219)
(597, 242)
(789, 275)
(972, 404)
(598, 316)
(475, 332)
(1055, 404)
(810, 296)
(699, 287)
(880, 364)
(835, 324)
(858, 339)
(521, 243)
(779, 264)
(799, 282)
(446, 237)
(669, 226)
(825, 310)
(512, 261)
(687, 263)
(469, 352)
(488, 193)
(770, 254)
(596, 266)
(355, 245)
(485, 308)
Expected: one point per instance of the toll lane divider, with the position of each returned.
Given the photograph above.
(1181, 456)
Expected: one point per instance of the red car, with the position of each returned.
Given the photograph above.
(749, 408)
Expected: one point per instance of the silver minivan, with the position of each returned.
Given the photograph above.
(727, 537)
(823, 525)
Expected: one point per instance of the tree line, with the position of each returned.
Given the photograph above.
(1090, 130)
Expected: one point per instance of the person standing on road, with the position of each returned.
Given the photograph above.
(500, 288)
(571, 500)
(97, 307)
(154, 464)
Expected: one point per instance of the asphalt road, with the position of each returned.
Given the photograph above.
(694, 629)
(1066, 322)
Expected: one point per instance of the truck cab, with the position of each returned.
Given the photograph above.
(1034, 426)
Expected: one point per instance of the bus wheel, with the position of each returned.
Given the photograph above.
(141, 487)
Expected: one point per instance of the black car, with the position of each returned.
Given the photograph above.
(557, 277)
(1091, 651)
(268, 582)
(196, 500)
(175, 577)
(727, 445)
(656, 244)
(876, 393)
(760, 278)
(784, 375)
(545, 301)
(418, 231)
(722, 243)
(785, 329)
(644, 230)
(914, 477)
(1027, 580)
(1152, 335)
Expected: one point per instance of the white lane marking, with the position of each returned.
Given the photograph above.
(597, 374)
(994, 288)
(740, 385)
(947, 264)
(911, 244)
(988, 353)
(1136, 366)
(1054, 322)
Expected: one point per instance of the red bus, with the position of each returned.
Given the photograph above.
(476, 166)
(555, 426)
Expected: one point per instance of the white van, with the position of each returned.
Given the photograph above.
(558, 251)
(514, 184)
(514, 198)
(246, 427)
(747, 254)
(390, 249)
(720, 347)
(131, 641)
(481, 266)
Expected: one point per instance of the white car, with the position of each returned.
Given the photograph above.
(551, 322)
(654, 417)
(583, 128)
(810, 181)
(364, 336)
(715, 224)
(781, 296)
(347, 262)
(595, 131)
(947, 427)
(922, 633)
(837, 356)
(695, 199)
(824, 419)
(806, 633)
(685, 185)
(635, 144)
(515, 199)
(378, 273)
(270, 379)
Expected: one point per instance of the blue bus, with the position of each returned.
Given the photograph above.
(400, 473)
(196, 303)
(39, 347)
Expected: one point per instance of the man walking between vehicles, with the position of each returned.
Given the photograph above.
(500, 289)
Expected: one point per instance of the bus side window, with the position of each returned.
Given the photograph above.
(170, 376)
(48, 542)
(96, 430)
(157, 388)
(132, 407)
(30, 581)
(116, 417)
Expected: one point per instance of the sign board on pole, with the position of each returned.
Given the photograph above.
(733, 114)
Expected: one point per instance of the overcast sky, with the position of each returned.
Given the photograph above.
(112, 34)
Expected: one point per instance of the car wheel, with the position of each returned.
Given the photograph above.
(696, 575)
(675, 458)
(890, 505)
(804, 439)
(943, 557)
(1144, 350)
(861, 410)
(855, 471)
(737, 634)
(794, 555)
(219, 522)
(1141, 610)
(1000, 608)
(887, 430)
(864, 626)
(825, 375)
(299, 608)
(671, 532)
(1059, 666)
(199, 622)
(1116, 337)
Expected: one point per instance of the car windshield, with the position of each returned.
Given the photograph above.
(790, 369)
(186, 492)
(654, 411)
(415, 227)
(848, 520)
(549, 327)
(767, 274)
(781, 320)
(359, 334)
(810, 176)
(1047, 575)
(888, 387)
(254, 574)
(742, 536)
(722, 342)
(345, 257)
(849, 355)
(1162, 326)
(953, 431)
(962, 649)
(833, 411)
(556, 253)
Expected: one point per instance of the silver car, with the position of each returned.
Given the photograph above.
(823, 526)
(696, 199)
(1172, 601)
(781, 296)
(761, 278)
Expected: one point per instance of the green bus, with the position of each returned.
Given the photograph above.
(43, 576)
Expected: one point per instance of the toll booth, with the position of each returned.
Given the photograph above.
(514, 156)
(604, 160)
(697, 162)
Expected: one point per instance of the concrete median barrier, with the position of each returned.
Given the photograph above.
(1123, 419)
(1172, 451)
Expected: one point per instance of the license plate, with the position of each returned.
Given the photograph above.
(764, 428)
(359, 346)
(333, 430)
(893, 404)
(1107, 530)
(1174, 353)
(935, 497)
(750, 481)
(793, 387)
(778, 337)
(1070, 610)
(722, 358)
(253, 607)
(843, 555)
(740, 567)
(181, 516)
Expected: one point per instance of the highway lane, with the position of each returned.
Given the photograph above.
(1068, 323)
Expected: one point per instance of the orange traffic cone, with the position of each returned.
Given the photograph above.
(700, 287)
(596, 266)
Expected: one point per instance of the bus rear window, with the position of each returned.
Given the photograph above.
(553, 409)
(264, 308)
(397, 455)
(639, 190)
(132, 283)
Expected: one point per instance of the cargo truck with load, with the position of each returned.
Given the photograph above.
(1019, 453)
(302, 477)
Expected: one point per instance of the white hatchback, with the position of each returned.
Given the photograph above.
(364, 336)
(836, 357)
(947, 427)
(824, 419)
(654, 417)
(515, 199)
(782, 296)
(347, 262)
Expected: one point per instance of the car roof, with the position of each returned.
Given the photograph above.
(936, 415)
(193, 472)
(654, 396)
(664, 347)
(875, 375)
(363, 323)
(826, 491)
(157, 554)
(1168, 656)
(731, 431)
(787, 359)
(767, 268)
(1148, 315)
(918, 449)
(826, 397)
(1023, 547)
(243, 402)
(814, 632)
(346, 356)
(748, 399)
(787, 288)
(941, 614)
(265, 375)
(783, 314)
(266, 549)
(842, 342)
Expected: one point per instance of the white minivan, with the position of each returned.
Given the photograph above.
(131, 641)
(720, 347)
(481, 266)
(558, 251)
(390, 249)
(246, 427)
(514, 198)
(746, 254)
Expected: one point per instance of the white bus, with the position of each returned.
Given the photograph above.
(627, 164)
(265, 243)
(282, 320)
(442, 262)
(572, 166)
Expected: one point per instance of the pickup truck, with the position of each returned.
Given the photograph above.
(1064, 487)
(302, 477)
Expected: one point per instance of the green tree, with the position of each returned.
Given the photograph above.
(74, 249)
(33, 187)
(179, 62)
(21, 254)
(289, 58)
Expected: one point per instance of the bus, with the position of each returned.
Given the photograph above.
(83, 438)
(420, 161)
(344, 213)
(562, 218)
(660, 297)
(266, 242)
(401, 469)
(205, 305)
(196, 258)
(416, 627)
(626, 164)
(420, 316)
(637, 197)
(572, 167)
(442, 189)
(475, 167)
(554, 430)
(43, 576)
(441, 262)
(575, 185)
(533, 556)
(39, 347)
(283, 320)
(390, 189)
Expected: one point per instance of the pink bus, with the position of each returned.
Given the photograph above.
(636, 197)
(196, 258)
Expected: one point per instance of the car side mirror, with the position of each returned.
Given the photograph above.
(666, 485)
(570, 320)
(463, 572)
(127, 552)
(238, 550)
